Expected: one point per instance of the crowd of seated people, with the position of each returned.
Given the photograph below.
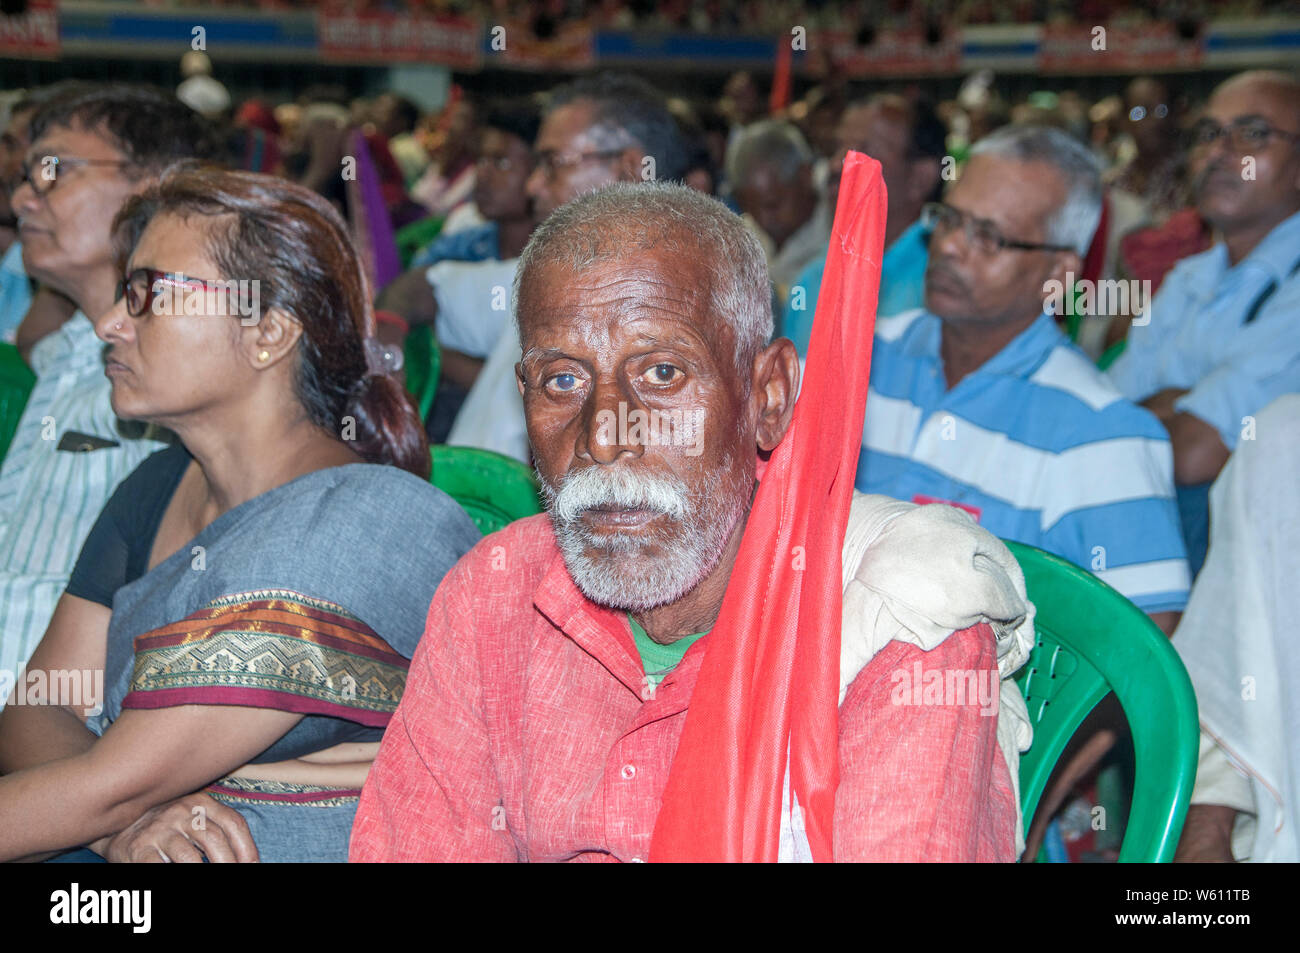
(217, 496)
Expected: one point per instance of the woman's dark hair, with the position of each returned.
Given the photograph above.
(296, 246)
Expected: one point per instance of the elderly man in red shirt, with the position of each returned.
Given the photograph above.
(546, 701)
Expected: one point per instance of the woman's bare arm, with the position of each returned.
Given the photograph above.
(71, 655)
(170, 832)
(144, 759)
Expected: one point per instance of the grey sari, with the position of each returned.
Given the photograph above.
(309, 598)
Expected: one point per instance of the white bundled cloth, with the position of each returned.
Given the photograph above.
(916, 574)
(1237, 639)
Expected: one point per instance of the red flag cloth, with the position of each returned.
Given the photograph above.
(769, 683)
(780, 95)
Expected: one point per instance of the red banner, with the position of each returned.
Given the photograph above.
(31, 35)
(1116, 47)
(893, 53)
(513, 44)
(381, 38)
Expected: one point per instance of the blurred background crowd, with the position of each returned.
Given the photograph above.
(1178, 177)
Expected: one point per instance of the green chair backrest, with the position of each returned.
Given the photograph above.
(1091, 641)
(422, 359)
(494, 489)
(16, 383)
(411, 238)
(1111, 354)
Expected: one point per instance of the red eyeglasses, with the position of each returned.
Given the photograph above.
(141, 286)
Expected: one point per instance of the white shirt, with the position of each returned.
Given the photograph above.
(492, 416)
(1237, 639)
(50, 498)
(473, 303)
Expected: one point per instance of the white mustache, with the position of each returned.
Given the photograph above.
(581, 490)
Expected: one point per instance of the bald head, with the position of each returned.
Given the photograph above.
(1246, 179)
(1274, 90)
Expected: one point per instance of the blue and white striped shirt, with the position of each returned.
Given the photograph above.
(1039, 443)
(15, 292)
(49, 498)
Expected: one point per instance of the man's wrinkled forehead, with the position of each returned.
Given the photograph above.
(614, 293)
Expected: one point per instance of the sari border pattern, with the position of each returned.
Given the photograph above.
(236, 792)
(270, 648)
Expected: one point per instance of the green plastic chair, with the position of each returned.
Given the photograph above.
(493, 489)
(411, 238)
(1111, 354)
(1091, 641)
(422, 359)
(16, 383)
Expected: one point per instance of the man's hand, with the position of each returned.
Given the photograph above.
(183, 831)
(411, 296)
(1161, 403)
(1207, 835)
(1166, 622)
(461, 369)
(1199, 451)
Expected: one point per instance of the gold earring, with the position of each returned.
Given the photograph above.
(263, 356)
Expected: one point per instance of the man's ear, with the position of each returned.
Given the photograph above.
(275, 336)
(775, 385)
(1066, 263)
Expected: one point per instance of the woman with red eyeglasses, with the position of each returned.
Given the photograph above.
(235, 635)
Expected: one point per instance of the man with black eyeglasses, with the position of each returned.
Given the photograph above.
(907, 139)
(597, 130)
(1220, 342)
(979, 401)
(91, 147)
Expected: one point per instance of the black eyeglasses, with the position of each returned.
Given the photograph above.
(45, 175)
(1244, 135)
(142, 285)
(499, 163)
(551, 162)
(981, 234)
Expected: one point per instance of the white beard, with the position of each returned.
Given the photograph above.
(612, 569)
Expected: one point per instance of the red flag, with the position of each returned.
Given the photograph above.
(769, 683)
(780, 96)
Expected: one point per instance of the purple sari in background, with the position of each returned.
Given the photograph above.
(372, 228)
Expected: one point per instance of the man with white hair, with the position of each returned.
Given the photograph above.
(545, 703)
(978, 400)
(770, 168)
